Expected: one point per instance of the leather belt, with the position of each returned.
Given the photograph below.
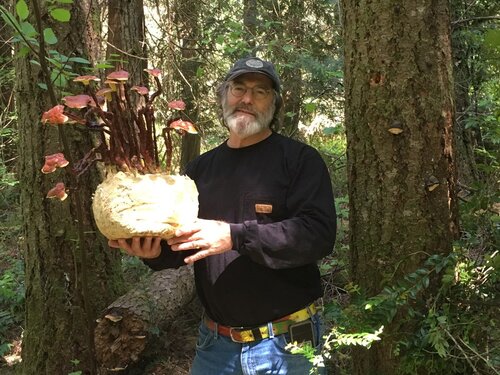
(279, 326)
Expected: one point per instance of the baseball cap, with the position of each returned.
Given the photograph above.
(254, 65)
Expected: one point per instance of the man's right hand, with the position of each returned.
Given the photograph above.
(142, 247)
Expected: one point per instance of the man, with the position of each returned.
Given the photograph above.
(266, 216)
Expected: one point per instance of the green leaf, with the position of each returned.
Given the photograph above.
(200, 72)
(60, 14)
(330, 130)
(49, 36)
(79, 60)
(28, 30)
(104, 66)
(34, 62)
(310, 107)
(23, 51)
(58, 79)
(65, 1)
(9, 18)
(22, 10)
(43, 86)
(492, 39)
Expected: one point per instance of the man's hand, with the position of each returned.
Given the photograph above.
(210, 237)
(142, 247)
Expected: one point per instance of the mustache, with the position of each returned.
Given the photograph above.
(245, 108)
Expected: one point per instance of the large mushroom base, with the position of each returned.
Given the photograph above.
(127, 205)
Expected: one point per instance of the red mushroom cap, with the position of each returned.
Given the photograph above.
(54, 161)
(58, 191)
(182, 125)
(78, 101)
(140, 90)
(105, 93)
(177, 104)
(119, 75)
(55, 115)
(86, 79)
(155, 72)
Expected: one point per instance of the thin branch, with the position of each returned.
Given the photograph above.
(475, 19)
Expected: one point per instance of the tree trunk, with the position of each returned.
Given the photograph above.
(62, 296)
(186, 23)
(291, 76)
(130, 324)
(250, 23)
(126, 35)
(8, 153)
(401, 183)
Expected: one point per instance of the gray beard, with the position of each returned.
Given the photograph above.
(243, 126)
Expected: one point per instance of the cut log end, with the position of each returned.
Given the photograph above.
(120, 342)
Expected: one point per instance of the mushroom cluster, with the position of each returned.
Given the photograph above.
(123, 117)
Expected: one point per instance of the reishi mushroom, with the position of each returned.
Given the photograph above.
(177, 104)
(58, 191)
(119, 75)
(54, 161)
(182, 125)
(155, 72)
(86, 79)
(140, 90)
(55, 115)
(78, 101)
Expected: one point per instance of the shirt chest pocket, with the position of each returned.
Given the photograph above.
(264, 209)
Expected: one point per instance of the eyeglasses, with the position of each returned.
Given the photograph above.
(238, 90)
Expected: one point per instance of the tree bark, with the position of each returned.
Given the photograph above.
(291, 76)
(8, 152)
(126, 38)
(62, 295)
(186, 23)
(250, 23)
(127, 327)
(397, 76)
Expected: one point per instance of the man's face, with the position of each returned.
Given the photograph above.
(248, 106)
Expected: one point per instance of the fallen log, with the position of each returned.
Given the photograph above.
(131, 323)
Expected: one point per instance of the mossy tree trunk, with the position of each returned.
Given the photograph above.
(68, 281)
(397, 75)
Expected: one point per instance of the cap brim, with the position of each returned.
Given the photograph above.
(245, 71)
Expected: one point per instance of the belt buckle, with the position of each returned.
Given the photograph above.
(234, 339)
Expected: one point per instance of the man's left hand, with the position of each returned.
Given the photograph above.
(210, 237)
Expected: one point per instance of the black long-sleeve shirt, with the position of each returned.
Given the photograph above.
(277, 197)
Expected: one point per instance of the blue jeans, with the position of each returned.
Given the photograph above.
(219, 355)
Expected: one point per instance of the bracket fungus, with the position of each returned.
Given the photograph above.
(54, 161)
(432, 183)
(396, 128)
(58, 191)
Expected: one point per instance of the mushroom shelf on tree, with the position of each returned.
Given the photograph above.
(138, 197)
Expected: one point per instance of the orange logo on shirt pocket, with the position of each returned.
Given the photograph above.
(263, 208)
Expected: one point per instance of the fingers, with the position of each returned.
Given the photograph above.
(143, 247)
(190, 245)
(186, 233)
(199, 255)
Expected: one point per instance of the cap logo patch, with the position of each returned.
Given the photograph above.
(254, 63)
